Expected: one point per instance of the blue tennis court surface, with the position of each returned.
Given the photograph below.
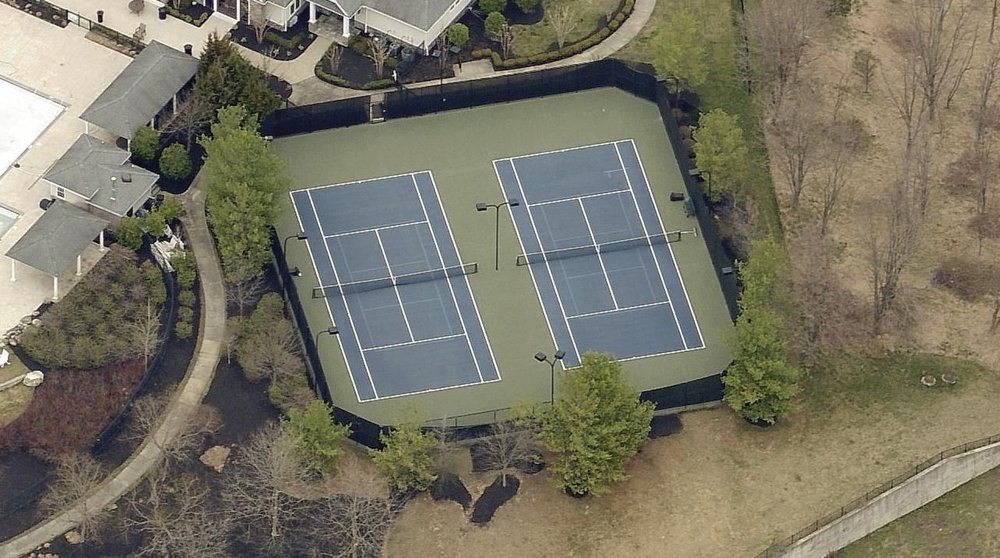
(598, 253)
(395, 286)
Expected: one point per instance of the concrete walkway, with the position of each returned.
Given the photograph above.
(192, 390)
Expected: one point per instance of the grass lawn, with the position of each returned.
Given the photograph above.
(724, 488)
(14, 400)
(537, 38)
(963, 522)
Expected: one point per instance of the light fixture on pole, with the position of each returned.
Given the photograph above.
(558, 356)
(698, 173)
(298, 236)
(295, 272)
(332, 330)
(512, 202)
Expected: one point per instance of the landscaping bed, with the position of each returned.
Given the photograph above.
(42, 10)
(190, 12)
(277, 44)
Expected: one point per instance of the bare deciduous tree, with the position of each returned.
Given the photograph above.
(508, 446)
(193, 114)
(893, 239)
(146, 414)
(378, 53)
(905, 93)
(334, 55)
(257, 17)
(844, 143)
(799, 138)
(245, 294)
(563, 20)
(358, 515)
(270, 353)
(172, 514)
(146, 331)
(993, 18)
(864, 64)
(936, 35)
(260, 488)
(780, 33)
(508, 37)
(76, 476)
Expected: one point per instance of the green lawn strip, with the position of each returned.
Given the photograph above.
(963, 522)
(890, 381)
(13, 369)
(540, 37)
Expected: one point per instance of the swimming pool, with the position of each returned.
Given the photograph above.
(7, 219)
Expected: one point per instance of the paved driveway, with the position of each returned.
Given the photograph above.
(64, 65)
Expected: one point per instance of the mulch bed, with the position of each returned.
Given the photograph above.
(244, 35)
(493, 497)
(665, 426)
(40, 11)
(448, 486)
(194, 11)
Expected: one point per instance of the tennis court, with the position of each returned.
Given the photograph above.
(598, 253)
(395, 286)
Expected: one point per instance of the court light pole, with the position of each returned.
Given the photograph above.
(295, 272)
(301, 235)
(332, 330)
(542, 357)
(512, 202)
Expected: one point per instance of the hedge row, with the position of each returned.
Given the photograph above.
(197, 22)
(278, 40)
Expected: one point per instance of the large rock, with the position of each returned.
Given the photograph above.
(74, 537)
(33, 378)
(215, 457)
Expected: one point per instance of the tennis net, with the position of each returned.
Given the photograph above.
(590, 250)
(394, 281)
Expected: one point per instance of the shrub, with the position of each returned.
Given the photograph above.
(526, 6)
(278, 40)
(494, 25)
(175, 163)
(171, 209)
(186, 268)
(145, 144)
(185, 314)
(482, 53)
(290, 391)
(186, 298)
(90, 327)
(317, 438)
(407, 459)
(378, 84)
(129, 233)
(492, 6)
(458, 34)
(183, 330)
(496, 59)
(965, 278)
(627, 7)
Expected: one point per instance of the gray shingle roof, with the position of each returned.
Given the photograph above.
(61, 234)
(143, 88)
(87, 167)
(418, 13)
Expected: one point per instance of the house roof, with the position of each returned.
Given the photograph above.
(142, 89)
(61, 234)
(87, 169)
(421, 14)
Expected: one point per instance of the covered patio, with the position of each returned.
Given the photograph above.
(56, 241)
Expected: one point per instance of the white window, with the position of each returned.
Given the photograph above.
(61, 192)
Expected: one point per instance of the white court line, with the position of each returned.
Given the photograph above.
(563, 150)
(347, 308)
(520, 241)
(649, 188)
(432, 390)
(362, 231)
(600, 259)
(645, 231)
(395, 288)
(451, 289)
(362, 181)
(637, 306)
(416, 342)
(468, 286)
(548, 268)
(561, 200)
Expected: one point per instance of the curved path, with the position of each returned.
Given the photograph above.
(192, 389)
(213, 310)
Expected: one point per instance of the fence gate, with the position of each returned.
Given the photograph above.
(78, 19)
